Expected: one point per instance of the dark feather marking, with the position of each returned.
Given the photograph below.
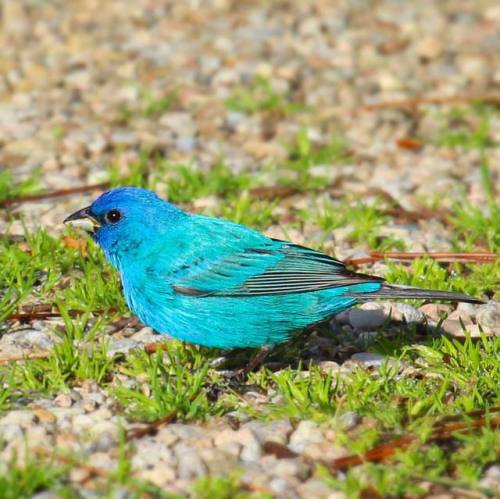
(261, 251)
(185, 290)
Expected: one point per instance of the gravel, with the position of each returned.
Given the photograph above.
(81, 88)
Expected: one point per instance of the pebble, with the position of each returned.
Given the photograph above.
(306, 433)
(349, 420)
(75, 101)
(121, 345)
(24, 418)
(488, 315)
(366, 319)
(189, 464)
(491, 478)
(408, 313)
(63, 400)
(30, 339)
(368, 359)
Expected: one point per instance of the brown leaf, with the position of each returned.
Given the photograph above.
(279, 450)
(53, 194)
(77, 244)
(409, 144)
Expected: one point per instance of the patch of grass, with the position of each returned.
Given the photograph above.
(187, 183)
(261, 97)
(473, 279)
(454, 377)
(422, 383)
(36, 476)
(50, 270)
(180, 384)
(405, 474)
(304, 154)
(11, 188)
(77, 356)
(181, 183)
(245, 210)
(226, 487)
(474, 226)
(365, 220)
(150, 105)
(466, 128)
(6, 394)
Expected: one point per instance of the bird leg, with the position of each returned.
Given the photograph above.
(241, 374)
(256, 360)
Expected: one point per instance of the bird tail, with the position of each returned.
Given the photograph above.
(393, 291)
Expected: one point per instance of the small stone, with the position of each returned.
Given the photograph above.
(488, 315)
(121, 345)
(252, 450)
(166, 436)
(430, 47)
(83, 422)
(318, 489)
(306, 433)
(160, 475)
(146, 335)
(329, 366)
(276, 431)
(491, 478)
(218, 462)
(467, 309)
(366, 319)
(10, 432)
(349, 420)
(189, 464)
(435, 311)
(104, 442)
(44, 415)
(280, 486)
(63, 400)
(28, 339)
(409, 313)
(291, 467)
(453, 327)
(368, 359)
(343, 317)
(24, 418)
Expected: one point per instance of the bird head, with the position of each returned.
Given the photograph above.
(124, 219)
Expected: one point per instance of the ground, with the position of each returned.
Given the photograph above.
(360, 128)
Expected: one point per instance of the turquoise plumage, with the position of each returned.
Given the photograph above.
(216, 283)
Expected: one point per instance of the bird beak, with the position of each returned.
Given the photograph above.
(84, 220)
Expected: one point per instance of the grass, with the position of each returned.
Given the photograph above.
(10, 188)
(426, 378)
(260, 96)
(150, 104)
(34, 477)
(178, 385)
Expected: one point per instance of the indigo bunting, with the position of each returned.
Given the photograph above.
(212, 282)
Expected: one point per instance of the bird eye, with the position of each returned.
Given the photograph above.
(113, 216)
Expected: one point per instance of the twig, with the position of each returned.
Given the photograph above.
(440, 431)
(375, 256)
(413, 102)
(151, 428)
(46, 313)
(53, 194)
(24, 356)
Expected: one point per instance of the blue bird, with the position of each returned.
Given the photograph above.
(212, 282)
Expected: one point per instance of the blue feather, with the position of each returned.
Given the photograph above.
(216, 283)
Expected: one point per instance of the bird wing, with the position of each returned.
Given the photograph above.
(271, 267)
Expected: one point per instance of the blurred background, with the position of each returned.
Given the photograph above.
(271, 113)
(353, 127)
